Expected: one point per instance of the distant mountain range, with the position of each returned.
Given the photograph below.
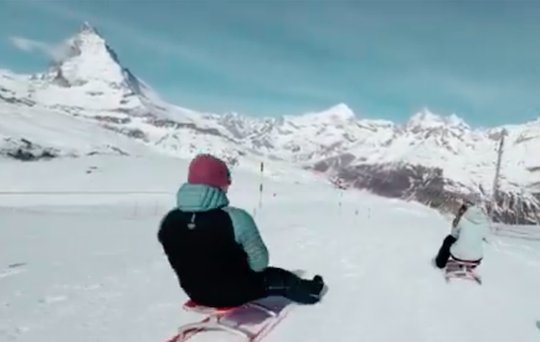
(89, 103)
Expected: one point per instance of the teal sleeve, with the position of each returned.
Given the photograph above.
(247, 234)
(455, 230)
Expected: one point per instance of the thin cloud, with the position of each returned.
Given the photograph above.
(52, 51)
(198, 58)
(129, 33)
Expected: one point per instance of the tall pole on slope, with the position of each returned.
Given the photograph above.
(495, 190)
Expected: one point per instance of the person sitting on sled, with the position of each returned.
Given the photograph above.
(465, 242)
(216, 250)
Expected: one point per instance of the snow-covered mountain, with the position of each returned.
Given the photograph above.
(441, 161)
(434, 159)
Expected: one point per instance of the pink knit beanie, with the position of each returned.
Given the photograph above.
(209, 170)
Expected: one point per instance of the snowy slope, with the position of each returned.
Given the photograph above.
(33, 130)
(90, 268)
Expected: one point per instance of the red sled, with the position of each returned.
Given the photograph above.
(462, 269)
(251, 321)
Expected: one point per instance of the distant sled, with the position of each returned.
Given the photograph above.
(251, 321)
(462, 269)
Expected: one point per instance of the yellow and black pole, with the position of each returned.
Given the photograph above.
(261, 185)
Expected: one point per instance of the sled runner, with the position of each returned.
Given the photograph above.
(462, 269)
(251, 321)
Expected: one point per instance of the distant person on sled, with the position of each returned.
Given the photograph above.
(465, 243)
(216, 250)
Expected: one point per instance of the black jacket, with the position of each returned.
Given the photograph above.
(212, 267)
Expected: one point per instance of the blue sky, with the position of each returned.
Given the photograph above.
(385, 59)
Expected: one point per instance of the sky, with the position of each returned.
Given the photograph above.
(477, 59)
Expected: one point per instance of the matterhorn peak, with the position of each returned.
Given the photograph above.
(89, 71)
(87, 28)
(88, 60)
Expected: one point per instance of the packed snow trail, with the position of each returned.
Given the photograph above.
(78, 270)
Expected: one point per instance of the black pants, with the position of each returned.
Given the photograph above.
(272, 281)
(444, 251)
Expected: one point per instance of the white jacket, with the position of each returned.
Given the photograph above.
(470, 232)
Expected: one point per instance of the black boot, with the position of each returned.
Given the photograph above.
(306, 291)
(318, 284)
(444, 252)
(287, 284)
